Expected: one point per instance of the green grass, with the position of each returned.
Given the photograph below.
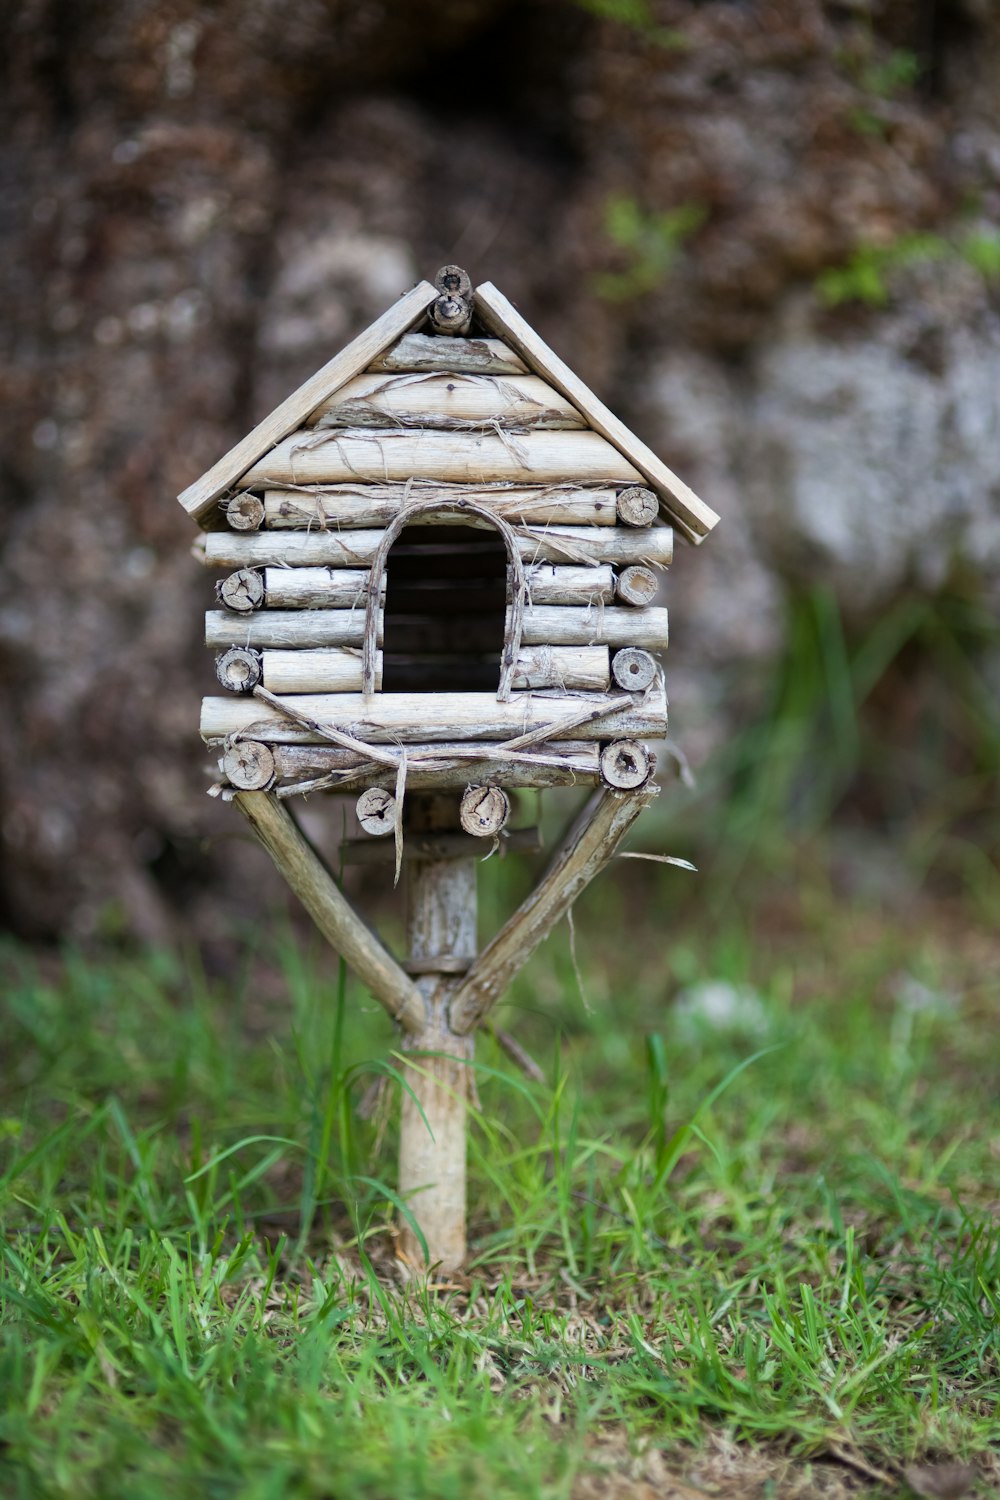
(759, 1255)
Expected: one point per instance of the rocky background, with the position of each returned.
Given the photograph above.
(766, 232)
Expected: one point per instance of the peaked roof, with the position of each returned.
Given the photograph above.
(678, 503)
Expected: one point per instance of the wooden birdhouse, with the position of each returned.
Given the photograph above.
(438, 566)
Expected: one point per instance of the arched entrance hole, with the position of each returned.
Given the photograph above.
(445, 610)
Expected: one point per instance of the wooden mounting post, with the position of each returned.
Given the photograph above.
(441, 928)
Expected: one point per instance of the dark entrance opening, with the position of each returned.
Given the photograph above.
(445, 610)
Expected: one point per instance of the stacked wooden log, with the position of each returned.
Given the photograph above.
(508, 635)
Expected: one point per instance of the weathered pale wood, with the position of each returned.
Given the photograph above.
(587, 848)
(637, 506)
(462, 402)
(376, 812)
(315, 887)
(416, 352)
(636, 586)
(439, 846)
(547, 583)
(316, 588)
(245, 512)
(633, 670)
(355, 549)
(451, 313)
(294, 629)
(441, 928)
(543, 625)
(484, 811)
(199, 498)
(238, 670)
(625, 765)
(382, 455)
(299, 761)
(681, 504)
(428, 718)
(337, 669)
(596, 626)
(569, 667)
(568, 764)
(242, 591)
(249, 765)
(356, 506)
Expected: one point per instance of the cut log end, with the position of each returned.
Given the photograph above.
(239, 670)
(636, 585)
(633, 670)
(484, 811)
(454, 281)
(637, 506)
(376, 810)
(245, 513)
(625, 765)
(242, 591)
(249, 765)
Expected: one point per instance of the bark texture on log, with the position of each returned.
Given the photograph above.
(417, 352)
(355, 549)
(418, 718)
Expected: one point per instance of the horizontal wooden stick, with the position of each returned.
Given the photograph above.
(568, 667)
(587, 848)
(575, 545)
(550, 584)
(599, 626)
(334, 670)
(381, 455)
(336, 919)
(438, 846)
(316, 588)
(543, 625)
(357, 506)
(294, 630)
(301, 768)
(461, 402)
(414, 718)
(422, 351)
(296, 762)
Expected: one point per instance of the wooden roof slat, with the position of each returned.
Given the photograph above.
(681, 505)
(199, 497)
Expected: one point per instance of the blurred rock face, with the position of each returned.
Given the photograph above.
(200, 204)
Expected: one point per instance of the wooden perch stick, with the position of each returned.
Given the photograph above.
(336, 919)
(381, 455)
(591, 842)
(355, 549)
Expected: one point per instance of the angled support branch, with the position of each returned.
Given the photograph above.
(336, 919)
(588, 846)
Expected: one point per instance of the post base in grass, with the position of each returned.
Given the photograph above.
(441, 928)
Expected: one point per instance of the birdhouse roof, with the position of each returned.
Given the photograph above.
(678, 504)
